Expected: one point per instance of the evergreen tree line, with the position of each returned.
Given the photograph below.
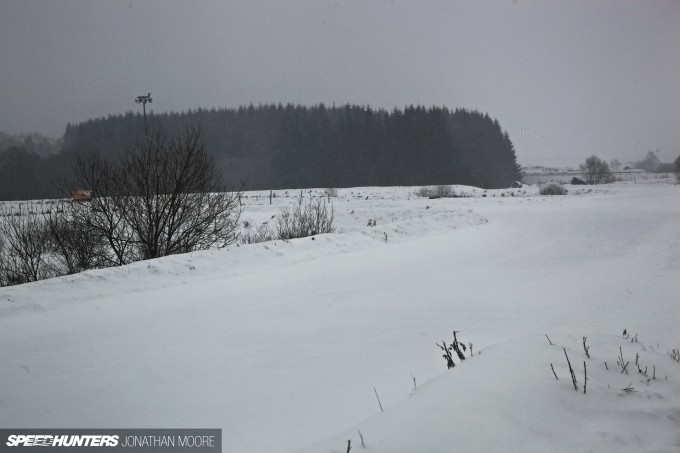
(27, 162)
(26, 175)
(291, 146)
(32, 143)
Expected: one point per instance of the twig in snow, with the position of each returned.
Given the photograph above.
(605, 365)
(471, 354)
(349, 445)
(551, 343)
(362, 439)
(629, 389)
(379, 403)
(585, 377)
(586, 348)
(620, 361)
(456, 346)
(571, 370)
(553, 369)
(447, 355)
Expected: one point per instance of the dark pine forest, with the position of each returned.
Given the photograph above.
(284, 147)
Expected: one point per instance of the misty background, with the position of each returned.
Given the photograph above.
(565, 79)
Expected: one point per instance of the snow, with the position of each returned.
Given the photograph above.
(281, 344)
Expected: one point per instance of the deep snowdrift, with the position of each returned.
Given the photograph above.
(281, 344)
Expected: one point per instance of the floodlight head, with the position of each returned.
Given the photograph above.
(143, 99)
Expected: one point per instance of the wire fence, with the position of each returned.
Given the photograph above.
(566, 177)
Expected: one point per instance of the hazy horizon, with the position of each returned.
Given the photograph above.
(566, 79)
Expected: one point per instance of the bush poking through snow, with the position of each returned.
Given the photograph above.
(440, 191)
(75, 246)
(305, 219)
(675, 354)
(23, 251)
(456, 347)
(256, 235)
(447, 354)
(571, 370)
(552, 189)
(621, 362)
(643, 370)
(39, 246)
(424, 192)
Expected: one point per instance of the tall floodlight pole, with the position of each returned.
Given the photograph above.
(143, 100)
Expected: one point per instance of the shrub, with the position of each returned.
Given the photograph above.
(443, 192)
(74, 245)
(675, 354)
(24, 249)
(255, 235)
(552, 189)
(440, 191)
(596, 171)
(424, 192)
(305, 219)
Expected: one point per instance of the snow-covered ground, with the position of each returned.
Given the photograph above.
(284, 344)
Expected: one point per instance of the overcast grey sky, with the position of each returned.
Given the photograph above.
(565, 78)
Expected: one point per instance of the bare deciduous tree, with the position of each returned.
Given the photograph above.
(104, 214)
(178, 204)
(25, 244)
(162, 197)
(596, 171)
(75, 245)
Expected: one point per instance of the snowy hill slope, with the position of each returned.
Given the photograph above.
(281, 344)
(507, 399)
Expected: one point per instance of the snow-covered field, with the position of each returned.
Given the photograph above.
(284, 344)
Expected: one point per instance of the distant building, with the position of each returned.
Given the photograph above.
(81, 195)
